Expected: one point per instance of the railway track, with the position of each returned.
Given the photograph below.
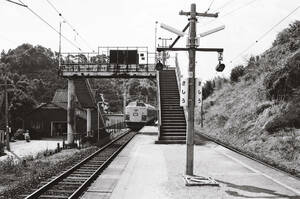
(250, 156)
(73, 182)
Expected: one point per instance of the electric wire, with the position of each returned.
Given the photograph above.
(42, 19)
(209, 6)
(223, 5)
(16, 3)
(242, 6)
(71, 26)
(231, 12)
(264, 34)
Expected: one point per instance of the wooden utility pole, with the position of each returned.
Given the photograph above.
(6, 115)
(192, 48)
(192, 45)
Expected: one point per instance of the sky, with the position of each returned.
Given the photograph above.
(132, 23)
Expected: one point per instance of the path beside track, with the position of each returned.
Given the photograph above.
(147, 170)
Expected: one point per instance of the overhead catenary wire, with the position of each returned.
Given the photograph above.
(265, 34)
(232, 11)
(42, 19)
(209, 6)
(17, 3)
(69, 24)
(223, 5)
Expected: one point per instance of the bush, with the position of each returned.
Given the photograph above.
(208, 89)
(236, 73)
(288, 34)
(281, 83)
(19, 134)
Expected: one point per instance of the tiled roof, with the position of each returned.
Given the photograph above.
(61, 95)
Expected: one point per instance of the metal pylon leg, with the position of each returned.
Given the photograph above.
(199, 181)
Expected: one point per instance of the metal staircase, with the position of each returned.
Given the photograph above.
(172, 118)
(84, 93)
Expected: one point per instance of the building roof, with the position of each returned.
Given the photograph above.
(61, 105)
(61, 95)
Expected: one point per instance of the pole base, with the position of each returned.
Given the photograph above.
(199, 181)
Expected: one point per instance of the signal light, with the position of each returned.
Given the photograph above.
(220, 67)
(159, 66)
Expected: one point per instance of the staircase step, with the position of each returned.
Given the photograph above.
(173, 130)
(173, 127)
(170, 142)
(172, 138)
(174, 134)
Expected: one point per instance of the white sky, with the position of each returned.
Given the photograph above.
(132, 23)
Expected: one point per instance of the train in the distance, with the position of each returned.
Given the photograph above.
(139, 114)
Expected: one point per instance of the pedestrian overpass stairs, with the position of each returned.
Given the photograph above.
(172, 122)
(84, 93)
(87, 100)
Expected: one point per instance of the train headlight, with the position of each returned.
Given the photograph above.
(144, 117)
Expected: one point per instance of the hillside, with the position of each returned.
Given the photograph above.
(258, 111)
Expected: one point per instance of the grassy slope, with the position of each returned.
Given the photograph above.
(237, 114)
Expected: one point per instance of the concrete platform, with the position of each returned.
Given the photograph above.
(149, 130)
(147, 170)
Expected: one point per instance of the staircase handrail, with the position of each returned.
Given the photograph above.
(89, 89)
(178, 77)
(158, 103)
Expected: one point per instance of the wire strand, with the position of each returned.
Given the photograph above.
(209, 6)
(223, 5)
(265, 34)
(42, 19)
(71, 26)
(231, 12)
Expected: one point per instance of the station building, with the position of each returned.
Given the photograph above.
(50, 119)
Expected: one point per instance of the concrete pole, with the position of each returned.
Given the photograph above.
(88, 121)
(6, 115)
(71, 117)
(124, 97)
(191, 94)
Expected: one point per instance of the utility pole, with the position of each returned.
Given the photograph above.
(124, 96)
(192, 45)
(191, 91)
(7, 130)
(6, 115)
(155, 40)
(59, 45)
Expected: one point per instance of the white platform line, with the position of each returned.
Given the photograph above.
(265, 175)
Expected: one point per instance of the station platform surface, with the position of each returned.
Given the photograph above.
(147, 170)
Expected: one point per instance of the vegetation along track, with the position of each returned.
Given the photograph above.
(73, 182)
(248, 155)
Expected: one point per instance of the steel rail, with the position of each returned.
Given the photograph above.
(250, 156)
(85, 185)
(62, 176)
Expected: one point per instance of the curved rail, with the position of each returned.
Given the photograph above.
(84, 173)
(247, 155)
